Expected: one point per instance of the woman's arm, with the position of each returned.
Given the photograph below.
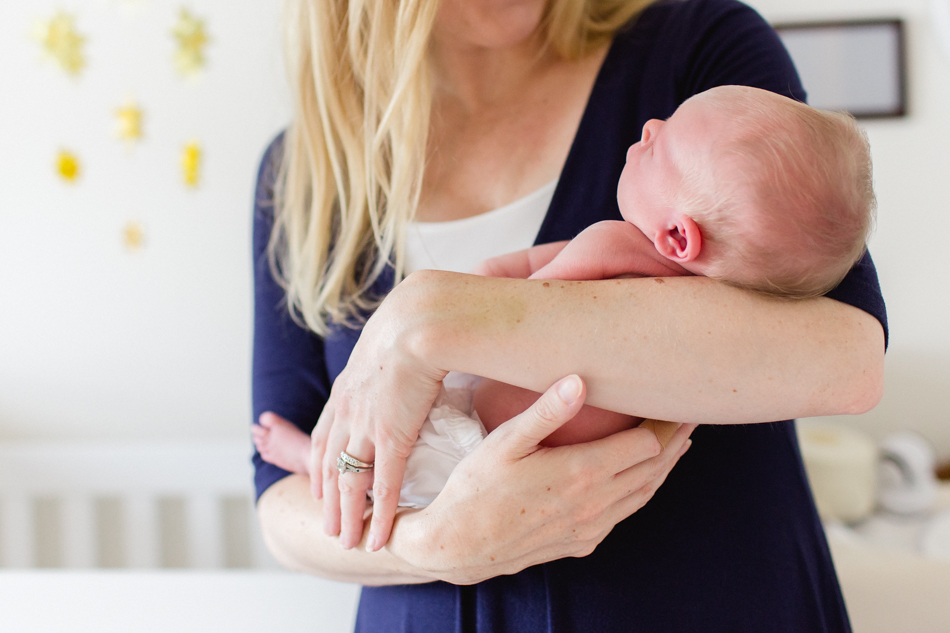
(292, 525)
(688, 349)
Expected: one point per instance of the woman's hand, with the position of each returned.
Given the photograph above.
(512, 503)
(384, 375)
(508, 505)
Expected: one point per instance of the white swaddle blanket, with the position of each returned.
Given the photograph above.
(451, 431)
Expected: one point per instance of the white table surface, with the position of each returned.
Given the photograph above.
(58, 601)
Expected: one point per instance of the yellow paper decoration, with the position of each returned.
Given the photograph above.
(189, 32)
(59, 39)
(133, 236)
(129, 121)
(67, 165)
(191, 164)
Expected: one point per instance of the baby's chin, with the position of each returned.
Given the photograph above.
(625, 189)
(629, 213)
(645, 214)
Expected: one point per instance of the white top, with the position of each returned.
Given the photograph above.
(458, 245)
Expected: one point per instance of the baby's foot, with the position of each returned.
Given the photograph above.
(281, 443)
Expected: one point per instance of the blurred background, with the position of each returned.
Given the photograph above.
(128, 291)
(130, 135)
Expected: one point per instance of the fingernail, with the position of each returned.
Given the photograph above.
(569, 389)
(686, 446)
(371, 543)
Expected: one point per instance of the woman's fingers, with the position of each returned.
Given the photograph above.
(664, 431)
(331, 504)
(336, 443)
(387, 475)
(318, 447)
(649, 474)
(353, 487)
(522, 434)
(619, 452)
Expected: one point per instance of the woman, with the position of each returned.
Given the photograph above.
(442, 112)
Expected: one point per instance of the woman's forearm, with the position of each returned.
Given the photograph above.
(688, 349)
(292, 524)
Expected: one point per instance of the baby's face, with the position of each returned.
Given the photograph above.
(653, 173)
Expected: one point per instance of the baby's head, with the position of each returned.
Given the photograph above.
(744, 185)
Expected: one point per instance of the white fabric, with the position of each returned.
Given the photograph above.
(452, 429)
(459, 245)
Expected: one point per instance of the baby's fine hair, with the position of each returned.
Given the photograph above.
(807, 175)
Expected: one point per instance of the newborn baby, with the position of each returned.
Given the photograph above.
(740, 184)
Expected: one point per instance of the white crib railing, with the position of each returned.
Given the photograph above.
(75, 478)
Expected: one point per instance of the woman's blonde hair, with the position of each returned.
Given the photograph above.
(353, 157)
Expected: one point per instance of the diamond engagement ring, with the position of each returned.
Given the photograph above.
(346, 463)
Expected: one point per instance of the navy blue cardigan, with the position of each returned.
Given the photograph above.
(731, 541)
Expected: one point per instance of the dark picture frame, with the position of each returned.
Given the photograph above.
(854, 65)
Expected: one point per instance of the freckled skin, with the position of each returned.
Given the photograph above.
(496, 402)
(505, 315)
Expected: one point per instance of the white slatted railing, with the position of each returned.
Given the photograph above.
(77, 476)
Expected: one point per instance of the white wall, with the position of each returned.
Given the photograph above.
(98, 342)
(912, 173)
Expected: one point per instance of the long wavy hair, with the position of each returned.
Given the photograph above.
(349, 179)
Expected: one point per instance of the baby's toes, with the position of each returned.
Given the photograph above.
(261, 440)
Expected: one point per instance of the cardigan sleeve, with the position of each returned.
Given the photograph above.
(289, 375)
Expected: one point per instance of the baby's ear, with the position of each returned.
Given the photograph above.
(681, 241)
